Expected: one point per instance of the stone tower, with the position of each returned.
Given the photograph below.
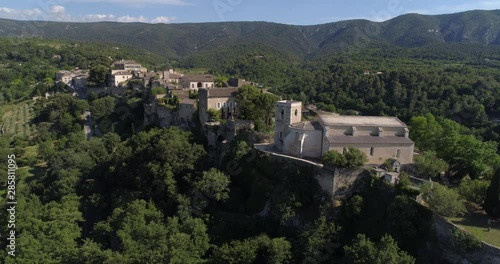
(287, 113)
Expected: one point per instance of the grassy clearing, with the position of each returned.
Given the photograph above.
(476, 223)
(27, 174)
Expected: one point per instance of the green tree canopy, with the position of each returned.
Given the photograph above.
(260, 249)
(319, 241)
(254, 104)
(102, 107)
(145, 237)
(214, 184)
(492, 200)
(444, 201)
(427, 164)
(473, 191)
(364, 251)
(351, 158)
(98, 74)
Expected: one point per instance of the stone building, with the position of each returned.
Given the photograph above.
(195, 82)
(75, 78)
(221, 99)
(236, 82)
(187, 108)
(119, 77)
(127, 65)
(379, 137)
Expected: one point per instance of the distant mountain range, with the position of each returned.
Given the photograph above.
(181, 40)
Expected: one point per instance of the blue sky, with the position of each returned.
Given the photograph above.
(182, 11)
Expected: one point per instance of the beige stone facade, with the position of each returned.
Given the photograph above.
(120, 77)
(76, 78)
(380, 138)
(217, 99)
(195, 82)
(287, 113)
(128, 65)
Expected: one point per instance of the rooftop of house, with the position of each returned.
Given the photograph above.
(199, 77)
(126, 62)
(181, 94)
(187, 101)
(339, 120)
(123, 73)
(174, 76)
(150, 75)
(308, 125)
(222, 92)
(289, 102)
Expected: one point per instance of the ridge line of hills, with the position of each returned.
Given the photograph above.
(477, 27)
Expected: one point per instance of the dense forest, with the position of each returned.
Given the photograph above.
(156, 197)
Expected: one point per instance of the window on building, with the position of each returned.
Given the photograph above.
(296, 112)
(398, 153)
(224, 104)
(230, 105)
(372, 151)
(192, 85)
(218, 105)
(282, 113)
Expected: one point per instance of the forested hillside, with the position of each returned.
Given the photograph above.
(180, 40)
(28, 66)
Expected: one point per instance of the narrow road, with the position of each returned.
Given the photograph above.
(88, 124)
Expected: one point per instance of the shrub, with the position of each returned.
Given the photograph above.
(428, 164)
(473, 191)
(352, 158)
(465, 242)
(334, 158)
(443, 200)
(355, 158)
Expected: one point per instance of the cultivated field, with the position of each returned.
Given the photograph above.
(16, 119)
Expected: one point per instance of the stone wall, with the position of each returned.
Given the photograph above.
(332, 181)
(447, 250)
(156, 114)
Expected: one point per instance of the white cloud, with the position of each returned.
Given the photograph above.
(132, 19)
(57, 9)
(97, 17)
(58, 13)
(20, 13)
(140, 2)
(162, 19)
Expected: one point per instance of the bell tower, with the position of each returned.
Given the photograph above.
(287, 113)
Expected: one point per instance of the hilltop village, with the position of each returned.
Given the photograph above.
(209, 102)
(251, 142)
